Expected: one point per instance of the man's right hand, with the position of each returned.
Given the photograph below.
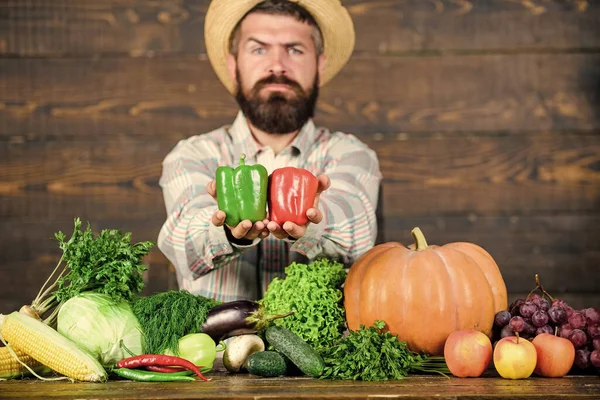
(245, 230)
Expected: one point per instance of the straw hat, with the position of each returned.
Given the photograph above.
(333, 19)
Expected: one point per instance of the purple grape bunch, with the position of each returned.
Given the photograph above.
(536, 315)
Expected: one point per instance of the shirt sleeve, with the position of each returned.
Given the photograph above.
(188, 238)
(349, 225)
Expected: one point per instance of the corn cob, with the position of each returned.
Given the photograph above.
(11, 368)
(50, 348)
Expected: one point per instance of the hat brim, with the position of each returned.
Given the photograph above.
(333, 19)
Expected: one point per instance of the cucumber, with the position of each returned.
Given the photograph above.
(266, 363)
(296, 349)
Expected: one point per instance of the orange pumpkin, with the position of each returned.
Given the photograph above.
(424, 293)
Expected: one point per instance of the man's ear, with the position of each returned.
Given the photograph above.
(321, 65)
(231, 66)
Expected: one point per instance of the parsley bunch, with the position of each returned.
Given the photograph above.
(314, 292)
(369, 354)
(107, 263)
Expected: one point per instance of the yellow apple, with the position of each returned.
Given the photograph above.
(515, 357)
(468, 353)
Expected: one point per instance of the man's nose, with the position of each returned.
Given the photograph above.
(277, 64)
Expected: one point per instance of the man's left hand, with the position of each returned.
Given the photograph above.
(314, 215)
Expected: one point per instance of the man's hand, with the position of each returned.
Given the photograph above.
(245, 230)
(314, 215)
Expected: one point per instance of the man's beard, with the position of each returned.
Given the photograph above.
(277, 114)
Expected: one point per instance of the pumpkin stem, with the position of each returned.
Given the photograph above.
(419, 238)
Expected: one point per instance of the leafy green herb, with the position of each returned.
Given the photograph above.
(167, 316)
(314, 291)
(370, 354)
(107, 264)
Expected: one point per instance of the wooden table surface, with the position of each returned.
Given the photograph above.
(245, 386)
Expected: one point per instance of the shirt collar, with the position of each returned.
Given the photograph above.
(245, 143)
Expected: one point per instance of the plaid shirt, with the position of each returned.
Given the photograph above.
(208, 264)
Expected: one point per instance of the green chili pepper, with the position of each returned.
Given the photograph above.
(149, 376)
(242, 192)
(169, 370)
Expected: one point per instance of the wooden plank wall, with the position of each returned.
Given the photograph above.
(485, 115)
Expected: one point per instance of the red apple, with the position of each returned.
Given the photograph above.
(515, 357)
(468, 353)
(555, 355)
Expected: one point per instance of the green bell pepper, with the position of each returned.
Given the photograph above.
(242, 192)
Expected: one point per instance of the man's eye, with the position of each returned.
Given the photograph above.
(258, 50)
(294, 50)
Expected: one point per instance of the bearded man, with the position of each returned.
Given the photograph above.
(273, 56)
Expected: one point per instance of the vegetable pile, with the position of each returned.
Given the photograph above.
(89, 321)
(98, 317)
(107, 264)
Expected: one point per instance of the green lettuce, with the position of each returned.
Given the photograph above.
(314, 291)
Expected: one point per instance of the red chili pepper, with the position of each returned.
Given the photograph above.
(292, 192)
(145, 360)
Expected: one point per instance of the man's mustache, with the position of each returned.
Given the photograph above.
(279, 79)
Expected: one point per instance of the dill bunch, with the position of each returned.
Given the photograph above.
(167, 316)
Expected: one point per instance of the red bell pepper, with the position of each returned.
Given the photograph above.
(292, 192)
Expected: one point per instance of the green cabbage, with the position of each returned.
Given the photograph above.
(98, 324)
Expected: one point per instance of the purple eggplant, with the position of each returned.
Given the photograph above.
(237, 318)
